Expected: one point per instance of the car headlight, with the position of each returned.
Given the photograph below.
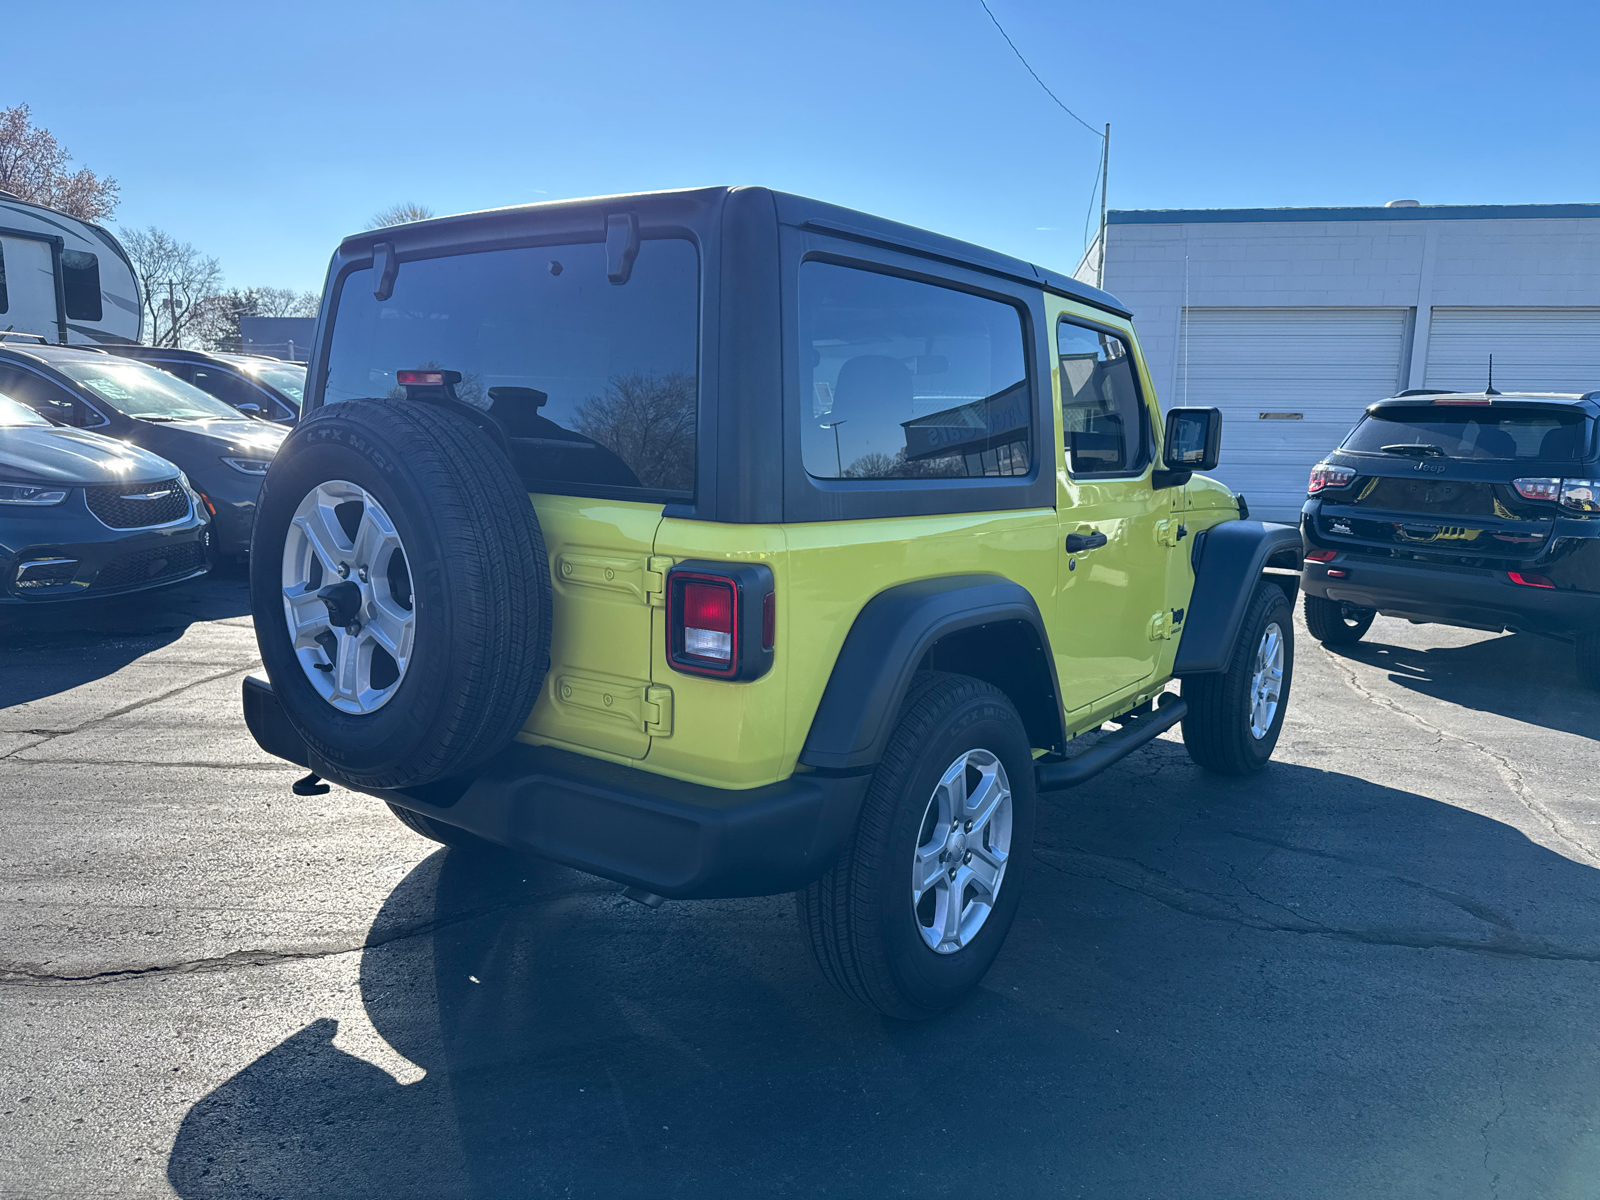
(250, 466)
(22, 493)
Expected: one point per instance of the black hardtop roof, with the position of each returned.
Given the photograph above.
(800, 211)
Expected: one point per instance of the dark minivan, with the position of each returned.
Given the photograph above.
(1472, 509)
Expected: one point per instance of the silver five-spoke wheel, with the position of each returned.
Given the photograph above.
(962, 851)
(348, 598)
(1267, 682)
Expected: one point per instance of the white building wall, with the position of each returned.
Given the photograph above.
(1404, 261)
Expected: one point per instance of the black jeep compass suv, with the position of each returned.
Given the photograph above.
(1475, 509)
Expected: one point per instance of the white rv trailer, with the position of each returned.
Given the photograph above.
(67, 280)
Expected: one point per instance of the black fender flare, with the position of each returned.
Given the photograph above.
(1229, 560)
(892, 635)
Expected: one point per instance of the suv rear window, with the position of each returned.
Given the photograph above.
(594, 383)
(1489, 432)
(906, 380)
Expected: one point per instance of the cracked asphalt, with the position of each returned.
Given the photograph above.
(1374, 970)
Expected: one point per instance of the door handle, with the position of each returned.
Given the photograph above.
(1079, 542)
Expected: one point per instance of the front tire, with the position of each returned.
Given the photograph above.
(917, 907)
(1335, 623)
(1235, 717)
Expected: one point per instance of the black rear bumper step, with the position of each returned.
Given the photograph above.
(661, 836)
(1137, 730)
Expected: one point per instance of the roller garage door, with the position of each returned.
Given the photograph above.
(1535, 349)
(1290, 383)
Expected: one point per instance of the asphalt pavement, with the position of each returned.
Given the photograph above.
(1371, 971)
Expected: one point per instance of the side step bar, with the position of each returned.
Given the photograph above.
(1136, 731)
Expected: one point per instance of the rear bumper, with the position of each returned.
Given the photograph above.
(1478, 599)
(680, 840)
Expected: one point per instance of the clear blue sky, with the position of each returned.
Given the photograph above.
(264, 133)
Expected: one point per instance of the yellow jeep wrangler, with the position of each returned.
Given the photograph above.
(728, 543)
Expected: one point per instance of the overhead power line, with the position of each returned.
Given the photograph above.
(1035, 74)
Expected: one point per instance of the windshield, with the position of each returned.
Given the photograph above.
(286, 377)
(14, 413)
(594, 383)
(1490, 432)
(136, 390)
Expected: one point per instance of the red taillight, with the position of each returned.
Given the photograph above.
(1538, 489)
(1529, 579)
(708, 621)
(1321, 556)
(1324, 476)
(419, 378)
(721, 619)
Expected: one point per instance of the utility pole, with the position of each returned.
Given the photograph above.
(1105, 173)
(172, 302)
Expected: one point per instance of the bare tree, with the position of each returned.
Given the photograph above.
(177, 283)
(284, 302)
(648, 422)
(33, 167)
(400, 214)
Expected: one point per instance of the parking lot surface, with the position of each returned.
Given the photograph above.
(1374, 970)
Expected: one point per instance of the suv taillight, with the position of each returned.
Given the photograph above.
(721, 619)
(1325, 475)
(1579, 495)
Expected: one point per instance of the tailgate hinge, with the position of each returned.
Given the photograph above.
(658, 710)
(655, 584)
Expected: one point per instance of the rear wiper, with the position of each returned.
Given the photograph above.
(1425, 450)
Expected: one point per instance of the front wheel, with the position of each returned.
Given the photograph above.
(1235, 717)
(920, 901)
(1335, 623)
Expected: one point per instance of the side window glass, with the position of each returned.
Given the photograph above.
(1103, 417)
(80, 280)
(906, 380)
(47, 399)
(230, 389)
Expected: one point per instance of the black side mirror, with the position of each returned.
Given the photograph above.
(1194, 439)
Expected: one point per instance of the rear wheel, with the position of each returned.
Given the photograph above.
(913, 913)
(1235, 717)
(1335, 623)
(1589, 659)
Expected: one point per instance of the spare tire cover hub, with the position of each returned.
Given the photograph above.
(348, 598)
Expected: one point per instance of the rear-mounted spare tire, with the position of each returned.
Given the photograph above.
(401, 591)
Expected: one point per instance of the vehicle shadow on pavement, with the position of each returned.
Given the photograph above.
(1521, 676)
(1300, 985)
(52, 648)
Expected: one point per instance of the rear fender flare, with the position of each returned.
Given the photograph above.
(981, 625)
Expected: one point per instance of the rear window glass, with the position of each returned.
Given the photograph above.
(1472, 432)
(906, 380)
(594, 383)
(80, 280)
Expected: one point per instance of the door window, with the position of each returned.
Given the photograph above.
(1102, 414)
(228, 387)
(908, 380)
